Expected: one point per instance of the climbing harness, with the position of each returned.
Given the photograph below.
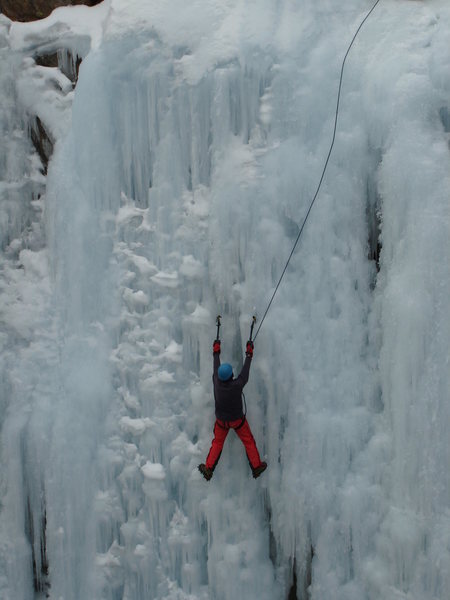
(323, 171)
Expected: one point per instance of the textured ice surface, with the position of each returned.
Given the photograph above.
(183, 164)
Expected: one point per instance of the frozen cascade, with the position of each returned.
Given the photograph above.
(183, 164)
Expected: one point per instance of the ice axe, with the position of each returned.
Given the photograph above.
(251, 328)
(218, 326)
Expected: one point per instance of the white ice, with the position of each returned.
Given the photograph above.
(184, 161)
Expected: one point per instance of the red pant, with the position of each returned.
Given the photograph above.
(242, 428)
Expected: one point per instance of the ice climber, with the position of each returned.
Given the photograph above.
(229, 413)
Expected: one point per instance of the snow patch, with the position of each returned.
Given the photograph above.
(153, 471)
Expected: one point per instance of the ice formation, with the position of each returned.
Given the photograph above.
(180, 166)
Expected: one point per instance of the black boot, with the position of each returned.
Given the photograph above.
(207, 473)
(258, 470)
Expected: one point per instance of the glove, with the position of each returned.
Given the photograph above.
(216, 347)
(249, 349)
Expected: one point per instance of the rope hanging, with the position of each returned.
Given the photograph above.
(323, 170)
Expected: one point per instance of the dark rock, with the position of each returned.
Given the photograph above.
(47, 60)
(43, 143)
(70, 67)
(32, 10)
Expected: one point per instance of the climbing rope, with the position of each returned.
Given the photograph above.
(323, 170)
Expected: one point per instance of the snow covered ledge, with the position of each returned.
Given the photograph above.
(52, 51)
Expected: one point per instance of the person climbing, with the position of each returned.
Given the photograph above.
(229, 413)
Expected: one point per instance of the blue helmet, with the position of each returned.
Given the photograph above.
(225, 372)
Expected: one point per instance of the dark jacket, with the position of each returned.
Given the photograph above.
(228, 394)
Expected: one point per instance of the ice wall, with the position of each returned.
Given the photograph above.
(24, 301)
(180, 176)
(412, 307)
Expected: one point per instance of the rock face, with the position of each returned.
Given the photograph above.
(31, 10)
(42, 142)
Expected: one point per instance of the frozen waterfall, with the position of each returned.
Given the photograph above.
(165, 183)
